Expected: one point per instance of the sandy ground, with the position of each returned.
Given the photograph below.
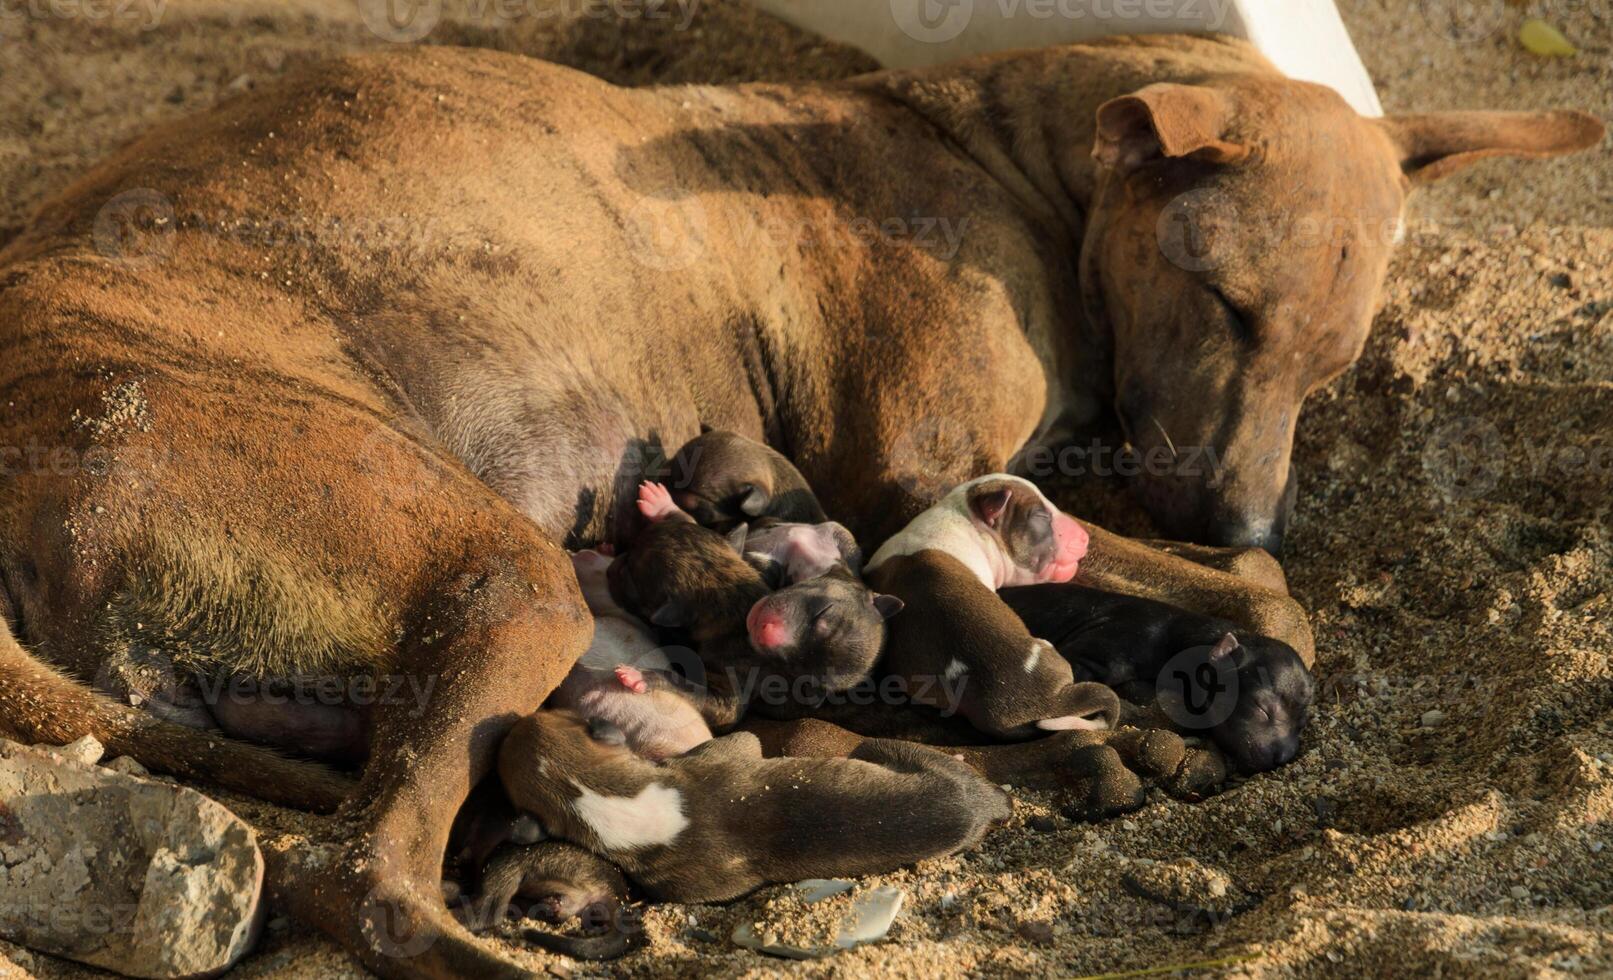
(1449, 812)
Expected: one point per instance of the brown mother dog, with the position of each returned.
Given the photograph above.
(374, 344)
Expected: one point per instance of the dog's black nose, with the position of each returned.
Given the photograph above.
(1244, 532)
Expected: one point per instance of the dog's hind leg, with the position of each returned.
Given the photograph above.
(40, 704)
(500, 636)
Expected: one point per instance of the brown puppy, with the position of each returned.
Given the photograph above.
(722, 820)
(680, 575)
(959, 648)
(825, 632)
(725, 479)
(554, 881)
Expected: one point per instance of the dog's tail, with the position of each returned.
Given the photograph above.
(41, 705)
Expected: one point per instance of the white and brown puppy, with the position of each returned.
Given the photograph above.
(722, 820)
(958, 647)
(607, 682)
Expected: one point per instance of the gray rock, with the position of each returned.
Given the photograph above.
(127, 765)
(137, 876)
(86, 751)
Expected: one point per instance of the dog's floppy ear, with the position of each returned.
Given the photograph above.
(1165, 120)
(1438, 144)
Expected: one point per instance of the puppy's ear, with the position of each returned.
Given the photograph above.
(671, 615)
(755, 500)
(989, 506)
(737, 538)
(1223, 649)
(850, 553)
(888, 605)
(1165, 121)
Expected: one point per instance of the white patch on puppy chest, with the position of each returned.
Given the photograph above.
(625, 823)
(955, 669)
(1034, 657)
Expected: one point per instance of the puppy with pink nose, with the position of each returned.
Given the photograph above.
(813, 637)
(946, 566)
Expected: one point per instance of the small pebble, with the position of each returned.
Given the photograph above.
(1520, 892)
(1433, 719)
(128, 766)
(1043, 824)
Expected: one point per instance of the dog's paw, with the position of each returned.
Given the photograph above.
(1103, 786)
(1164, 759)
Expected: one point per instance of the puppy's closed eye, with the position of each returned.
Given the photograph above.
(606, 733)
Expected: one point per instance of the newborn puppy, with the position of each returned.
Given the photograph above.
(680, 575)
(607, 682)
(958, 648)
(724, 479)
(722, 821)
(828, 629)
(786, 554)
(1126, 642)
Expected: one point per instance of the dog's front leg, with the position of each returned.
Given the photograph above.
(1118, 564)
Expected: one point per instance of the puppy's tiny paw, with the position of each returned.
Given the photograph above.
(654, 502)
(632, 679)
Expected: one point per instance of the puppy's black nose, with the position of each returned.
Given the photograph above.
(1267, 754)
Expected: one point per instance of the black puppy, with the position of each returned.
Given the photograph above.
(1194, 665)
